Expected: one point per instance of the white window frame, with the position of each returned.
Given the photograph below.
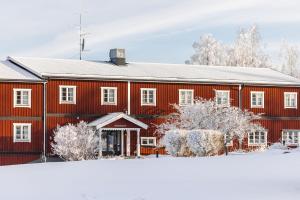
(296, 103)
(230, 143)
(22, 105)
(263, 99)
(61, 101)
(154, 97)
(147, 139)
(179, 96)
(294, 132)
(115, 95)
(15, 132)
(228, 99)
(259, 138)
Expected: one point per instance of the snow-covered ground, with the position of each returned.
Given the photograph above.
(255, 176)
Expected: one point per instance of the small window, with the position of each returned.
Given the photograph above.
(257, 138)
(108, 96)
(22, 132)
(290, 137)
(22, 98)
(257, 99)
(148, 97)
(222, 97)
(228, 140)
(186, 97)
(290, 100)
(67, 94)
(148, 141)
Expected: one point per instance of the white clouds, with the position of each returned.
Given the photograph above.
(119, 20)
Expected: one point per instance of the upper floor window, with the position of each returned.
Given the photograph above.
(67, 94)
(148, 141)
(148, 96)
(290, 137)
(186, 97)
(222, 97)
(257, 138)
(257, 99)
(22, 98)
(290, 100)
(22, 132)
(108, 96)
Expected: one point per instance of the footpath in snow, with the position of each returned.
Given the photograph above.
(270, 175)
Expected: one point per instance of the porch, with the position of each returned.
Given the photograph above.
(119, 134)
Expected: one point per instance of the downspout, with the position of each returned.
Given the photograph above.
(44, 121)
(240, 96)
(128, 98)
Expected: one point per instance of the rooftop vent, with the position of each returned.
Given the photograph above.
(117, 56)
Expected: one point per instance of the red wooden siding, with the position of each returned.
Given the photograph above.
(88, 97)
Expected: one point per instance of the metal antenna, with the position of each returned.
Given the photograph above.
(80, 36)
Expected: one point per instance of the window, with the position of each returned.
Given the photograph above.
(290, 100)
(148, 141)
(148, 97)
(108, 96)
(186, 97)
(67, 94)
(222, 97)
(22, 98)
(290, 137)
(227, 140)
(22, 132)
(257, 138)
(257, 99)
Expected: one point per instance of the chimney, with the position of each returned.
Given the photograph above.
(117, 56)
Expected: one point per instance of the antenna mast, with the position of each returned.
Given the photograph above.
(80, 36)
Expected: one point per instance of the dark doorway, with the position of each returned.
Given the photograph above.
(111, 143)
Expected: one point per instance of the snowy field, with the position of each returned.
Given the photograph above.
(255, 176)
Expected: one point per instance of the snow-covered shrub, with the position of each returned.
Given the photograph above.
(208, 115)
(176, 144)
(278, 145)
(75, 142)
(205, 142)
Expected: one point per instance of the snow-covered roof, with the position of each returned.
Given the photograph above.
(109, 118)
(81, 69)
(11, 72)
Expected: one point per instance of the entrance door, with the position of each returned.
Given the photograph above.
(111, 143)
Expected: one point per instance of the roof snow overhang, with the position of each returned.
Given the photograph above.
(112, 117)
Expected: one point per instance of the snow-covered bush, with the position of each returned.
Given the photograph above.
(193, 143)
(205, 142)
(75, 142)
(278, 145)
(208, 115)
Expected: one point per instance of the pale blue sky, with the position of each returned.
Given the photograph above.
(150, 31)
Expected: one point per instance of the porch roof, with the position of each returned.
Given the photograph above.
(112, 117)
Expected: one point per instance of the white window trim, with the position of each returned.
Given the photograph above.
(60, 94)
(188, 90)
(263, 100)
(116, 96)
(225, 91)
(15, 98)
(154, 96)
(291, 144)
(148, 138)
(259, 144)
(296, 100)
(29, 132)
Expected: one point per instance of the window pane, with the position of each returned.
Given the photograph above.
(18, 96)
(64, 94)
(25, 132)
(151, 141)
(144, 141)
(18, 132)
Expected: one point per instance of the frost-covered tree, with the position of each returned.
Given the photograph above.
(208, 51)
(248, 50)
(289, 55)
(208, 115)
(75, 142)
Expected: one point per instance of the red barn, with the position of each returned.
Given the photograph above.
(123, 100)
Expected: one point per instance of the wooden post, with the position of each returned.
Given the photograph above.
(122, 143)
(138, 146)
(128, 142)
(100, 144)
